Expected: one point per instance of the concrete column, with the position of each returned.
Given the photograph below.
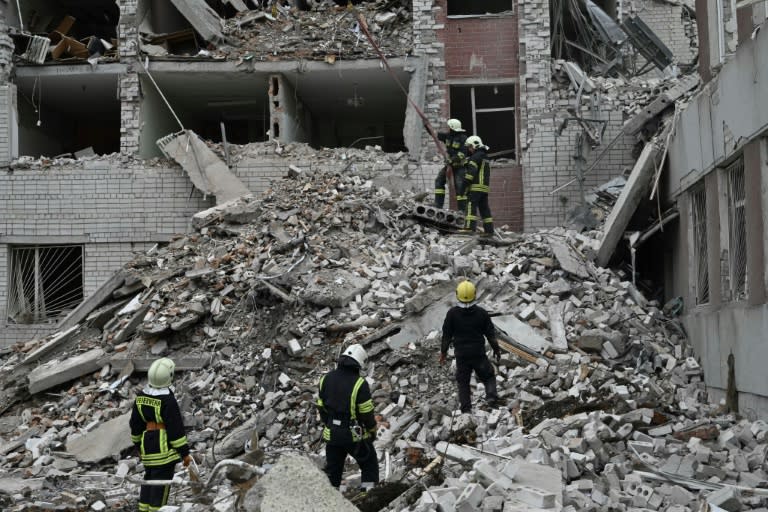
(683, 253)
(713, 239)
(764, 204)
(428, 43)
(130, 108)
(289, 120)
(127, 30)
(753, 166)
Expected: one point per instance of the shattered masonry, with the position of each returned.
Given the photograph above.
(617, 417)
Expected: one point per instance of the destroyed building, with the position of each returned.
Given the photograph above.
(238, 187)
(98, 85)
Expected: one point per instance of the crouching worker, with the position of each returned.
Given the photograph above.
(346, 409)
(158, 432)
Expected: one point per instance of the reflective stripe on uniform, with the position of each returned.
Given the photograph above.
(353, 399)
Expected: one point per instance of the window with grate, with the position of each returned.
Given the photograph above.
(737, 230)
(45, 281)
(699, 222)
(489, 112)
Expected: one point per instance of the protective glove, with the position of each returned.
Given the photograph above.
(497, 354)
(187, 460)
(441, 359)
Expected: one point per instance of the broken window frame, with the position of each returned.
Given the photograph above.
(451, 7)
(56, 283)
(474, 111)
(737, 229)
(698, 197)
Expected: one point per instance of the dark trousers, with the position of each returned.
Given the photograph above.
(485, 374)
(479, 201)
(152, 497)
(364, 454)
(441, 191)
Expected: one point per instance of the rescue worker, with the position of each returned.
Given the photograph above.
(158, 432)
(467, 326)
(454, 140)
(478, 180)
(346, 409)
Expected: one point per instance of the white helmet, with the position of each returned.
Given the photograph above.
(358, 353)
(475, 141)
(455, 125)
(161, 373)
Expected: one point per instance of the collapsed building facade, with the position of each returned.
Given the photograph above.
(102, 91)
(123, 120)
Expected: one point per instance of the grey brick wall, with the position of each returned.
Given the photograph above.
(120, 210)
(671, 26)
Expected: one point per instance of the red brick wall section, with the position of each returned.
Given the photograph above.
(506, 196)
(481, 47)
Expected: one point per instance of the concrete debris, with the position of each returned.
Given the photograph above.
(604, 404)
(207, 171)
(324, 32)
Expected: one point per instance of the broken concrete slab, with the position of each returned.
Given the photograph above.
(93, 301)
(55, 372)
(663, 101)
(633, 192)
(334, 288)
(420, 325)
(202, 17)
(208, 172)
(106, 440)
(56, 340)
(568, 259)
(521, 333)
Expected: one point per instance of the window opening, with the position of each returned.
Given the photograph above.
(489, 112)
(701, 270)
(737, 230)
(45, 282)
(470, 7)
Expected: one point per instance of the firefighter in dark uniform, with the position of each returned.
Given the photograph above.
(158, 432)
(454, 140)
(478, 179)
(467, 326)
(346, 409)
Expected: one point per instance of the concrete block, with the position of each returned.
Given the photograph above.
(108, 439)
(471, 498)
(535, 497)
(486, 475)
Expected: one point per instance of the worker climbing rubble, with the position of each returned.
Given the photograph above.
(454, 140)
(346, 409)
(478, 181)
(466, 327)
(157, 431)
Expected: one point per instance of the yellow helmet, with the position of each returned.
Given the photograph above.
(465, 292)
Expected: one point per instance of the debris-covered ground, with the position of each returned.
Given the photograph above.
(605, 404)
(324, 32)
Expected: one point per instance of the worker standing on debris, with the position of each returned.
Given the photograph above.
(467, 326)
(478, 179)
(346, 409)
(454, 140)
(158, 432)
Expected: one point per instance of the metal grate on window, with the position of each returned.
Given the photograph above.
(737, 230)
(45, 282)
(701, 271)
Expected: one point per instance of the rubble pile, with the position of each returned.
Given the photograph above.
(324, 32)
(629, 95)
(605, 405)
